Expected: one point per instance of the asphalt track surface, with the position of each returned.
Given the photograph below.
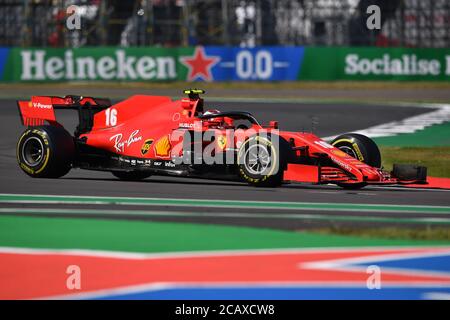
(330, 119)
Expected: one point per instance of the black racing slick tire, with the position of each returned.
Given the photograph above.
(45, 152)
(262, 160)
(131, 175)
(410, 172)
(360, 147)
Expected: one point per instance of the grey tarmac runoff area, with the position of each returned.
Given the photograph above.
(92, 194)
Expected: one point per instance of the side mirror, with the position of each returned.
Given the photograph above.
(273, 124)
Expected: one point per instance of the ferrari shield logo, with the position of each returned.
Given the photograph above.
(222, 142)
(163, 146)
(146, 146)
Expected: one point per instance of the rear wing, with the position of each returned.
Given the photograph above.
(41, 109)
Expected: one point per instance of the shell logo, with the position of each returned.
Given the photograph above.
(163, 146)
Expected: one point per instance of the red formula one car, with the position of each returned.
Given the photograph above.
(153, 135)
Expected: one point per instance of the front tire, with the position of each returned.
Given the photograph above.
(360, 147)
(261, 161)
(45, 152)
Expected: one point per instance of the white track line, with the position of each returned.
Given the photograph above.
(227, 203)
(408, 125)
(436, 249)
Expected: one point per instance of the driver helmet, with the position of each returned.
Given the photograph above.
(212, 112)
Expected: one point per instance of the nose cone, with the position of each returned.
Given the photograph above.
(372, 174)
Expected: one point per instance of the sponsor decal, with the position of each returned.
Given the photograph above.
(200, 65)
(103, 65)
(24, 167)
(195, 125)
(259, 63)
(4, 53)
(215, 63)
(119, 144)
(353, 63)
(339, 153)
(146, 146)
(222, 141)
(358, 152)
(186, 125)
(40, 105)
(407, 64)
(342, 164)
(212, 63)
(163, 146)
(157, 163)
(169, 164)
(133, 162)
(176, 116)
(323, 144)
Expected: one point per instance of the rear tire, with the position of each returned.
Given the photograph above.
(45, 152)
(131, 175)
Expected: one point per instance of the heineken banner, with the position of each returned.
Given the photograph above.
(222, 64)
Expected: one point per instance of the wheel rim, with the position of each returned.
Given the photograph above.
(33, 151)
(257, 159)
(349, 151)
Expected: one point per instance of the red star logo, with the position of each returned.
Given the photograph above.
(200, 65)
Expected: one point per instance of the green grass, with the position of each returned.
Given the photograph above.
(251, 84)
(436, 159)
(436, 233)
(435, 136)
(139, 236)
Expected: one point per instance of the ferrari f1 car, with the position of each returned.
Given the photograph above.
(153, 135)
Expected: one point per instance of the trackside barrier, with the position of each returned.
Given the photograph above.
(223, 64)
